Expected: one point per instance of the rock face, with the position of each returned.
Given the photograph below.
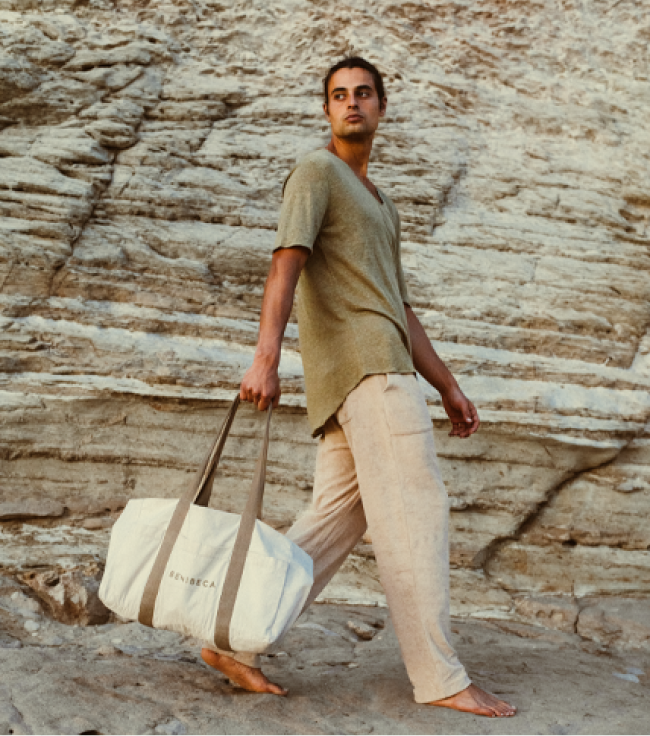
(70, 597)
(143, 149)
(125, 678)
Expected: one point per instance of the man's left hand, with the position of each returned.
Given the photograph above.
(461, 412)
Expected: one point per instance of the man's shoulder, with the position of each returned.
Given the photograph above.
(315, 166)
(318, 160)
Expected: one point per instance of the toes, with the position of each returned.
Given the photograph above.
(276, 689)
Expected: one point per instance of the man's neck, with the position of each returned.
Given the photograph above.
(356, 154)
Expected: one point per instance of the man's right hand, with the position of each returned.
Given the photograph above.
(261, 385)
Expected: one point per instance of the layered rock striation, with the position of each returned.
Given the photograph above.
(143, 148)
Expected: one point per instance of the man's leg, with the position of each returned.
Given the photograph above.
(327, 531)
(388, 427)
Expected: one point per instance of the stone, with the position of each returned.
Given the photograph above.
(81, 691)
(553, 613)
(85, 506)
(57, 98)
(38, 44)
(112, 78)
(17, 76)
(31, 626)
(173, 728)
(22, 605)
(77, 725)
(143, 154)
(74, 148)
(112, 133)
(362, 630)
(130, 54)
(28, 547)
(101, 523)
(108, 651)
(624, 676)
(570, 570)
(11, 719)
(620, 622)
(69, 597)
(30, 508)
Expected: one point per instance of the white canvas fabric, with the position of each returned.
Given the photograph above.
(275, 584)
(215, 576)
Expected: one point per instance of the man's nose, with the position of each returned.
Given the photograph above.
(352, 101)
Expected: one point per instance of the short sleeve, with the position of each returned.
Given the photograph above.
(304, 205)
(401, 281)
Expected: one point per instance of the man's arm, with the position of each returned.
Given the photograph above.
(261, 383)
(459, 408)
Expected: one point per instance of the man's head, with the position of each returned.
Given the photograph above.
(354, 98)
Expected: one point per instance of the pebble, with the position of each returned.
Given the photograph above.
(172, 728)
(107, 651)
(628, 677)
(363, 631)
(31, 626)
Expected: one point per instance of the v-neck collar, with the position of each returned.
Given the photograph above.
(382, 204)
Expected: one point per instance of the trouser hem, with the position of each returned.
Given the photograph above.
(438, 692)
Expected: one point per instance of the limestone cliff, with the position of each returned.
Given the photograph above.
(142, 153)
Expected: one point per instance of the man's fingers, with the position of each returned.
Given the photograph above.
(260, 387)
(265, 400)
(465, 428)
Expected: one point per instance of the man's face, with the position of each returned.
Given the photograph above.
(354, 107)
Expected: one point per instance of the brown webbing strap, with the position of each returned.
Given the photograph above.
(235, 570)
(148, 602)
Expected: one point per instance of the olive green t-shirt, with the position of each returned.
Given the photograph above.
(351, 292)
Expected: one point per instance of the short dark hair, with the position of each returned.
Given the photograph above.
(354, 62)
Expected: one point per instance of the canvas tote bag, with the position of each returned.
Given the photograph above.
(232, 582)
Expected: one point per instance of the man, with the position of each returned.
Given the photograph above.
(338, 241)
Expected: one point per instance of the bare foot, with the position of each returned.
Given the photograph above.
(250, 678)
(474, 700)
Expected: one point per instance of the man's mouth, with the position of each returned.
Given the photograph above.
(354, 118)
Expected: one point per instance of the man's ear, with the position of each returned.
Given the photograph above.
(326, 110)
(382, 107)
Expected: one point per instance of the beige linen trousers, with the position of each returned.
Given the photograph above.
(376, 469)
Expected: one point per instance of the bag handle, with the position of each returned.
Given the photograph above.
(199, 493)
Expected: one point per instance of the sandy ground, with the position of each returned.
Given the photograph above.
(122, 678)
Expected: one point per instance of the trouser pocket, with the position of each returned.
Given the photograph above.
(405, 406)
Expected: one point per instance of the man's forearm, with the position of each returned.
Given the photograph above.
(425, 359)
(276, 310)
